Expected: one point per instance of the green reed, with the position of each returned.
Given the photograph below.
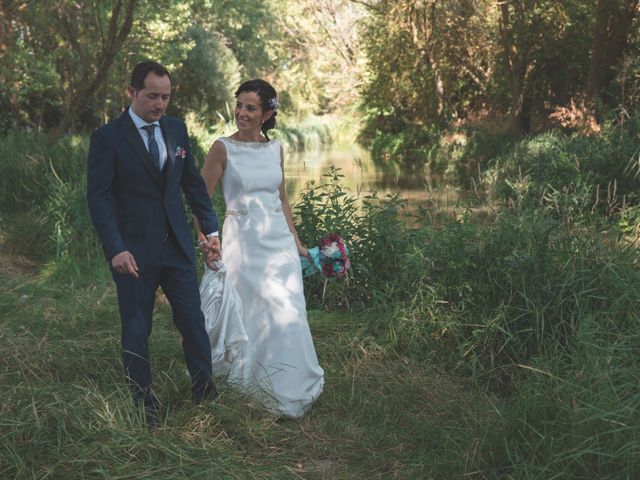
(541, 313)
(506, 348)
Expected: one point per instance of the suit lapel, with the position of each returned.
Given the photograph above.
(170, 143)
(135, 140)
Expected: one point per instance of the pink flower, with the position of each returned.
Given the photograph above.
(334, 256)
(180, 152)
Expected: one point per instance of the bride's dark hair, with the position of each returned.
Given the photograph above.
(268, 100)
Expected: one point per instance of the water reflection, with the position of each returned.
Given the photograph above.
(363, 176)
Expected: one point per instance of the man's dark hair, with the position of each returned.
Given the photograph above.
(141, 70)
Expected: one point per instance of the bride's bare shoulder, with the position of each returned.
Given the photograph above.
(217, 156)
(218, 149)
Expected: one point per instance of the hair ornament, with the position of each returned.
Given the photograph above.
(273, 103)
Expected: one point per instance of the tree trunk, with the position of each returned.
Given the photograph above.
(511, 62)
(6, 27)
(516, 51)
(610, 37)
(116, 37)
(7, 42)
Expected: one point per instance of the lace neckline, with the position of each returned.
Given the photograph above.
(248, 144)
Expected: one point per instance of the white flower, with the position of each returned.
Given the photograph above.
(273, 103)
(331, 250)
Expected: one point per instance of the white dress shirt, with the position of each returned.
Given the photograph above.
(139, 123)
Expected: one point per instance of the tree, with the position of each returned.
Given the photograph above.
(610, 38)
(427, 60)
(208, 76)
(87, 74)
(318, 59)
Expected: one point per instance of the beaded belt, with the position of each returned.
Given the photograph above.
(235, 213)
(232, 213)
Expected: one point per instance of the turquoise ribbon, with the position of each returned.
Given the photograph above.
(313, 266)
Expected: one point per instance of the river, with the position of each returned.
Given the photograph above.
(363, 176)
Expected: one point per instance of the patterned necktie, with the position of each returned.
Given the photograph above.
(154, 151)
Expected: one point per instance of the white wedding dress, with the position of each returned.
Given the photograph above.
(265, 345)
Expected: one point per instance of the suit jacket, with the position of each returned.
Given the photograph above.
(133, 206)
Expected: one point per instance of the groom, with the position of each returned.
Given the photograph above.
(139, 165)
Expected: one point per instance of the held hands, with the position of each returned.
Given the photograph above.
(210, 247)
(125, 264)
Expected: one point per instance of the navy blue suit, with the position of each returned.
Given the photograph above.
(135, 207)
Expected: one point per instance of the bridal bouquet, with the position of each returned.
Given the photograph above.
(330, 257)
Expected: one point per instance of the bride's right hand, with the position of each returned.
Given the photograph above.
(213, 261)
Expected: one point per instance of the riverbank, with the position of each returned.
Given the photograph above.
(500, 354)
(498, 349)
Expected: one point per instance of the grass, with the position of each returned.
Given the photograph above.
(65, 413)
(505, 349)
(393, 406)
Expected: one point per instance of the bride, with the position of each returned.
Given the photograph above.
(275, 362)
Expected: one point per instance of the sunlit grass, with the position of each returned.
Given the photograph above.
(66, 412)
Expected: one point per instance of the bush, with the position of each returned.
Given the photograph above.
(572, 176)
(486, 296)
(73, 236)
(312, 133)
(29, 163)
(466, 152)
(409, 146)
(374, 232)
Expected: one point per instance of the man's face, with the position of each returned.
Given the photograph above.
(151, 102)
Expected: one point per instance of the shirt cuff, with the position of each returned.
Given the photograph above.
(212, 234)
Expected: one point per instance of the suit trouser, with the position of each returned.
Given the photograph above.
(136, 296)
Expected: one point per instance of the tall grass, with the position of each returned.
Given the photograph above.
(507, 287)
(29, 163)
(501, 349)
(65, 412)
(540, 313)
(574, 177)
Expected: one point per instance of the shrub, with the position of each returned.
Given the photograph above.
(29, 163)
(572, 176)
(374, 231)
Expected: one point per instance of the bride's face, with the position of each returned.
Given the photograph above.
(249, 113)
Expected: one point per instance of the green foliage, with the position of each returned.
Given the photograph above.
(414, 59)
(498, 294)
(47, 183)
(427, 65)
(248, 28)
(373, 231)
(207, 77)
(539, 316)
(521, 288)
(464, 154)
(30, 166)
(438, 65)
(542, 314)
(312, 133)
(574, 415)
(67, 413)
(571, 175)
(65, 66)
(73, 236)
(409, 146)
